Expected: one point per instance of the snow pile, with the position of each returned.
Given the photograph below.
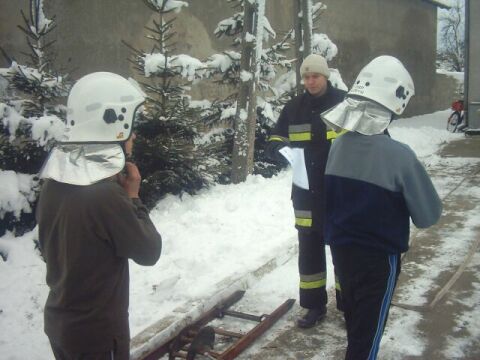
(221, 233)
(459, 76)
(424, 133)
(211, 238)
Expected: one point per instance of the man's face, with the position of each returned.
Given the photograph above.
(315, 84)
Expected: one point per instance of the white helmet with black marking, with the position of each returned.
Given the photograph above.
(101, 108)
(386, 81)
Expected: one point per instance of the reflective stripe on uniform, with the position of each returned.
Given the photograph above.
(300, 132)
(303, 222)
(304, 133)
(337, 284)
(305, 136)
(303, 218)
(332, 134)
(313, 281)
(278, 138)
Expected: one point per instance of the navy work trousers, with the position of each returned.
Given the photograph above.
(312, 266)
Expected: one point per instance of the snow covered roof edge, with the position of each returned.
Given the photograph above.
(439, 3)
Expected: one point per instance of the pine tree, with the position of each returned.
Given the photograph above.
(288, 84)
(225, 67)
(30, 120)
(167, 150)
(272, 100)
(307, 42)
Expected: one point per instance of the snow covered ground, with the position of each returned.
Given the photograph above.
(222, 233)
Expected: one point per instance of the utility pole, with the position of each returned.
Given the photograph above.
(303, 35)
(297, 6)
(472, 66)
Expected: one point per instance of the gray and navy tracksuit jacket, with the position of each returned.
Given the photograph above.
(374, 185)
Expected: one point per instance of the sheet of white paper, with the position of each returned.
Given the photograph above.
(296, 158)
(287, 153)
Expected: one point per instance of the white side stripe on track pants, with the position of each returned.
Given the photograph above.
(387, 298)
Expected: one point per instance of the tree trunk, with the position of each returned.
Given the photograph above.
(297, 22)
(307, 27)
(245, 118)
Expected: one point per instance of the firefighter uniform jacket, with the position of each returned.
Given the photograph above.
(300, 126)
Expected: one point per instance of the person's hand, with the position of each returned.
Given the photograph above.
(272, 151)
(131, 180)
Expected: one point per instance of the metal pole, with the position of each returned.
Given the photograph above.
(466, 54)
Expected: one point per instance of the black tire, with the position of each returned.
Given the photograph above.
(453, 121)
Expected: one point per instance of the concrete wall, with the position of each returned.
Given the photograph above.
(89, 35)
(473, 64)
(447, 90)
(405, 29)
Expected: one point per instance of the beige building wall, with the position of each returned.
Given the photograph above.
(90, 33)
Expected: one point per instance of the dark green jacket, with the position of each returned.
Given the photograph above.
(87, 234)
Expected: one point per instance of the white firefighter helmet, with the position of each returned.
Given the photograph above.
(100, 109)
(386, 81)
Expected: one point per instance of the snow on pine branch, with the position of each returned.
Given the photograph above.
(43, 129)
(16, 193)
(249, 38)
(321, 44)
(46, 128)
(267, 110)
(229, 112)
(41, 24)
(245, 76)
(231, 26)
(222, 62)
(30, 77)
(234, 25)
(11, 118)
(336, 79)
(285, 83)
(200, 104)
(317, 9)
(184, 65)
(269, 32)
(168, 5)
